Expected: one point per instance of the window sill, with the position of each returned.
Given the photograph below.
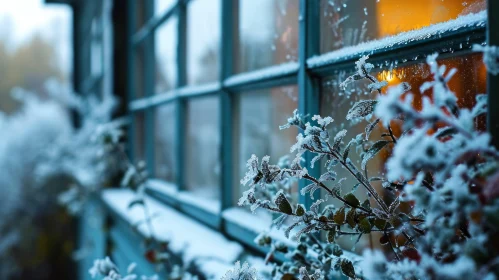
(186, 237)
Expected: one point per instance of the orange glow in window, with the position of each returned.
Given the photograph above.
(395, 16)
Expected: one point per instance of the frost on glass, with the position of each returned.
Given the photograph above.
(350, 22)
(203, 37)
(202, 147)
(267, 33)
(258, 116)
(166, 50)
(161, 6)
(138, 137)
(164, 145)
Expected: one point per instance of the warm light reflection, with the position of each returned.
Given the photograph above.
(395, 16)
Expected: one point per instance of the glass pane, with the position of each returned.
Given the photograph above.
(258, 115)
(164, 142)
(203, 37)
(348, 22)
(139, 72)
(268, 33)
(469, 81)
(161, 6)
(139, 137)
(202, 148)
(166, 56)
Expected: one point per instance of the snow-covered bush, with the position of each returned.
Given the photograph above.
(45, 160)
(435, 207)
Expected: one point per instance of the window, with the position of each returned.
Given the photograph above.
(225, 79)
(202, 148)
(269, 38)
(164, 142)
(258, 114)
(165, 50)
(203, 41)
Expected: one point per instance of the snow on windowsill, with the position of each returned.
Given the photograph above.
(269, 72)
(161, 186)
(209, 205)
(211, 252)
(478, 19)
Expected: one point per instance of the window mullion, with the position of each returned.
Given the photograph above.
(149, 89)
(308, 96)
(180, 103)
(131, 5)
(226, 69)
(493, 80)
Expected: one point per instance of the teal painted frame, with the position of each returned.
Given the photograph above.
(306, 76)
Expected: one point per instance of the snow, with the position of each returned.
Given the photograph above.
(209, 205)
(269, 72)
(162, 187)
(478, 19)
(198, 90)
(205, 247)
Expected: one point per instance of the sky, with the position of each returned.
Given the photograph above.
(21, 19)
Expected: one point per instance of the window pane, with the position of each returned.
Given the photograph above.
(139, 72)
(469, 81)
(347, 23)
(138, 137)
(164, 142)
(268, 33)
(166, 55)
(258, 117)
(203, 37)
(161, 6)
(202, 148)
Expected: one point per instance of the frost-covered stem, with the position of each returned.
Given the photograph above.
(391, 135)
(361, 180)
(333, 194)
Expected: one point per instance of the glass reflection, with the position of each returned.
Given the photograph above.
(350, 22)
(258, 117)
(166, 50)
(202, 147)
(164, 142)
(203, 37)
(267, 34)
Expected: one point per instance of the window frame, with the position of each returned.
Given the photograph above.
(304, 73)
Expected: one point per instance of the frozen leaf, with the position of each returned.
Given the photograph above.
(316, 159)
(373, 151)
(351, 217)
(282, 203)
(339, 216)
(361, 109)
(347, 149)
(338, 138)
(331, 234)
(365, 226)
(347, 268)
(328, 176)
(370, 127)
(351, 199)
